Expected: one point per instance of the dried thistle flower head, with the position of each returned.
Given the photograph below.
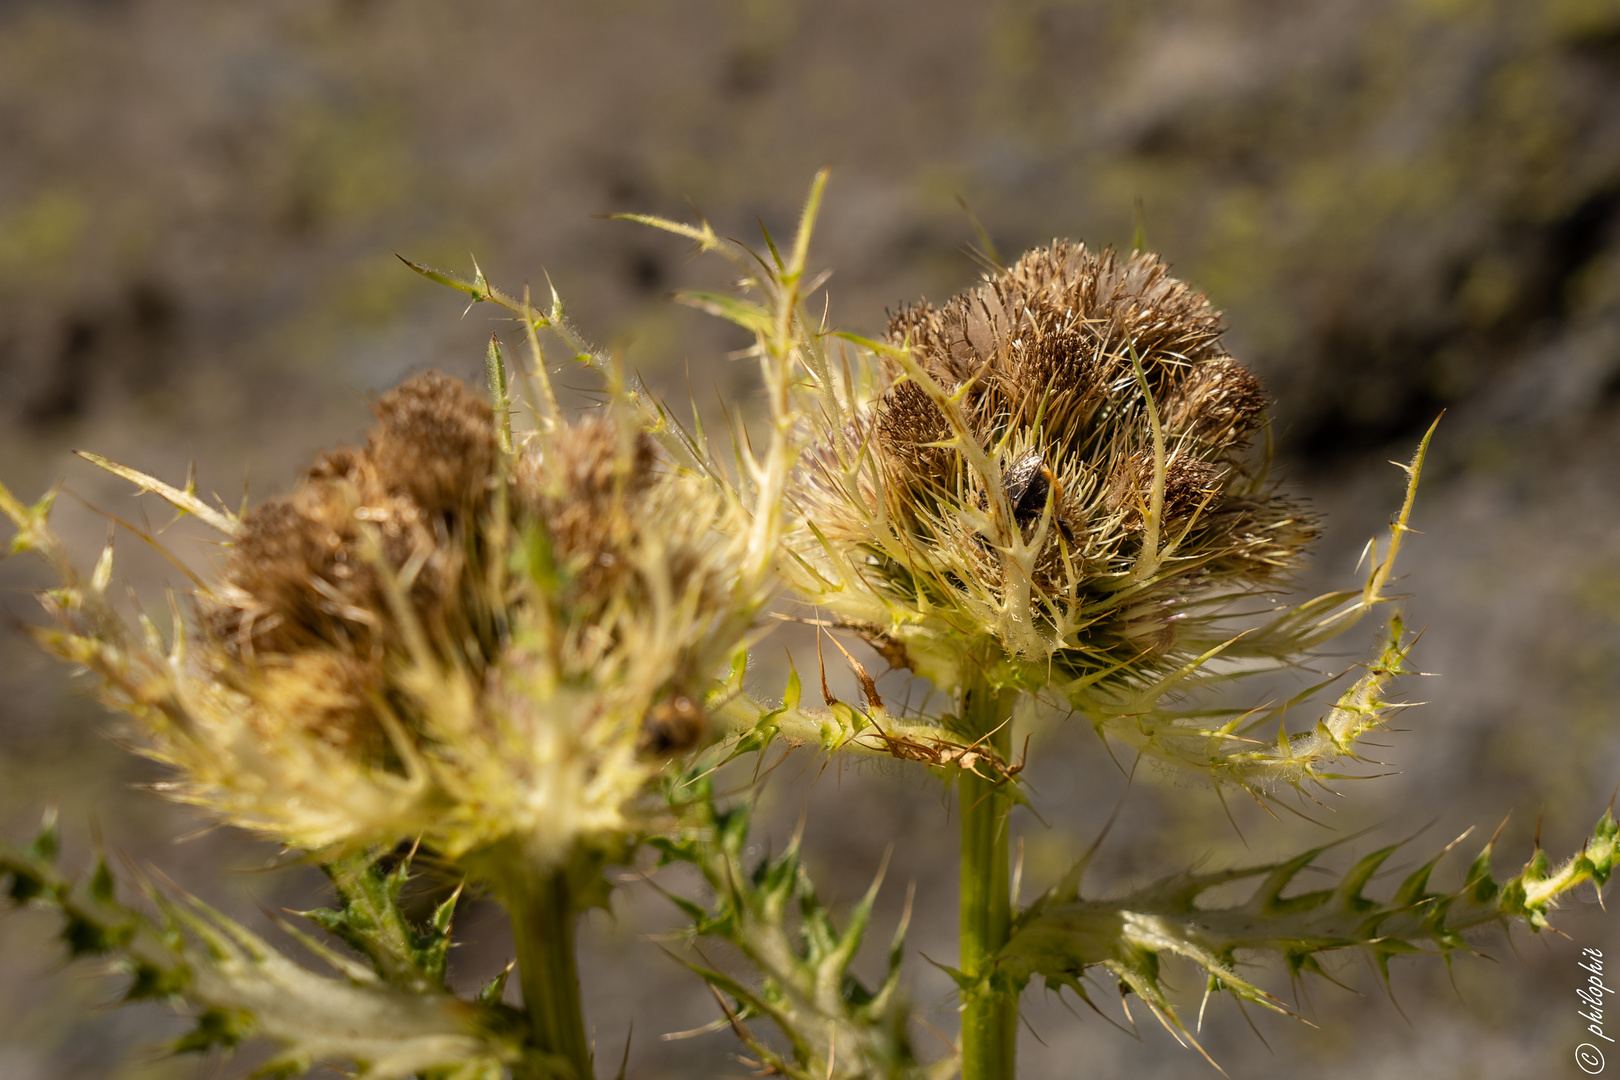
(299, 577)
(1050, 476)
(434, 638)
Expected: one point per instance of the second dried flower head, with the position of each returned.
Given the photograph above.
(437, 638)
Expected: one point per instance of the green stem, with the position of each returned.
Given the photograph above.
(541, 907)
(989, 1011)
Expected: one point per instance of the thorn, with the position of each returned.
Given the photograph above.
(1250, 1021)
(1035, 1034)
(1125, 1007)
(868, 686)
(1017, 877)
(624, 1062)
(1498, 832)
(821, 662)
(1220, 796)
(950, 1047)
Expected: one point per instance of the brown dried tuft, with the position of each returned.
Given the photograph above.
(584, 487)
(434, 441)
(300, 575)
(344, 463)
(285, 546)
(1053, 335)
(1189, 484)
(1218, 406)
(328, 693)
(940, 341)
(908, 426)
(589, 462)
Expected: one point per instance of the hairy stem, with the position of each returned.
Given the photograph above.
(541, 907)
(989, 1007)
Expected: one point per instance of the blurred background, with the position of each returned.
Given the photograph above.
(1402, 206)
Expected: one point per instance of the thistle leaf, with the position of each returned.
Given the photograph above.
(369, 920)
(1063, 935)
(236, 985)
(834, 1025)
(184, 501)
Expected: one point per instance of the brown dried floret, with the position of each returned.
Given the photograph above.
(329, 694)
(940, 341)
(1189, 485)
(1060, 327)
(1053, 336)
(1055, 377)
(303, 575)
(344, 463)
(275, 555)
(584, 488)
(434, 441)
(591, 461)
(296, 580)
(910, 427)
(307, 571)
(1260, 537)
(1218, 406)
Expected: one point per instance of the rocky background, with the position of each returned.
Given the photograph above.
(1403, 207)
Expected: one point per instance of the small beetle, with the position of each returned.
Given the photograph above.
(1028, 482)
(673, 727)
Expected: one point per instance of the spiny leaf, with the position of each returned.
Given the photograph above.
(492, 992)
(370, 920)
(1059, 941)
(215, 1028)
(750, 316)
(184, 501)
(835, 1025)
(236, 985)
(33, 528)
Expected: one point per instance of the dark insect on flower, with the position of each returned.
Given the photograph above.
(675, 726)
(1027, 483)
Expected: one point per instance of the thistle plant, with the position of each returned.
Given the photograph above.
(1046, 487)
(518, 641)
(487, 642)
